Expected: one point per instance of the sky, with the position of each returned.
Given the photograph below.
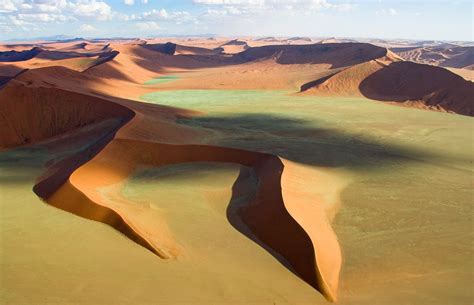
(414, 19)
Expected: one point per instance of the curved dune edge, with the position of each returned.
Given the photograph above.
(89, 183)
(278, 216)
(396, 81)
(315, 218)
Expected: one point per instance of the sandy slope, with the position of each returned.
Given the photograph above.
(278, 208)
(448, 55)
(414, 84)
(81, 194)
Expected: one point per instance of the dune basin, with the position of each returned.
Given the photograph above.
(234, 171)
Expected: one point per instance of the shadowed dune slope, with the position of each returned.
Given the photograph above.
(345, 82)
(79, 61)
(424, 85)
(445, 56)
(316, 259)
(12, 56)
(233, 47)
(336, 54)
(33, 113)
(145, 59)
(30, 114)
(165, 48)
(37, 52)
(191, 50)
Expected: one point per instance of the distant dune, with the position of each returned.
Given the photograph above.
(12, 56)
(43, 113)
(33, 114)
(399, 81)
(451, 56)
(233, 46)
(338, 55)
(81, 120)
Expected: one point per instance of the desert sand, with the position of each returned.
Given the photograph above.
(233, 171)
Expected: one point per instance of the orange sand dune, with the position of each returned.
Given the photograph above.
(138, 62)
(310, 247)
(86, 47)
(39, 58)
(191, 50)
(13, 55)
(457, 59)
(447, 55)
(81, 82)
(234, 46)
(337, 54)
(288, 216)
(399, 81)
(32, 114)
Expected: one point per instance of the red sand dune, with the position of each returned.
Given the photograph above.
(49, 102)
(233, 47)
(447, 55)
(337, 54)
(399, 81)
(48, 112)
(12, 56)
(312, 251)
(32, 114)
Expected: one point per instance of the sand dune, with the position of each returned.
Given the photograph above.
(418, 85)
(52, 112)
(32, 114)
(191, 50)
(88, 92)
(338, 55)
(458, 59)
(319, 270)
(166, 48)
(39, 58)
(12, 56)
(447, 55)
(233, 47)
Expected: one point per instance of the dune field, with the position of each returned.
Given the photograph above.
(235, 171)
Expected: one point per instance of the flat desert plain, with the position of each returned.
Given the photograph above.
(234, 171)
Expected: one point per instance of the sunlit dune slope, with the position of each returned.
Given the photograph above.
(312, 250)
(32, 114)
(335, 54)
(232, 198)
(310, 247)
(421, 85)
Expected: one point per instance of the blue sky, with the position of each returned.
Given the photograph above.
(415, 19)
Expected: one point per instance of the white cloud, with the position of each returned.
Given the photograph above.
(145, 1)
(87, 28)
(147, 26)
(56, 10)
(390, 11)
(7, 6)
(5, 29)
(129, 2)
(92, 9)
(44, 17)
(164, 15)
(230, 2)
(235, 7)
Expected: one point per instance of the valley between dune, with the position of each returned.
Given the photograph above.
(198, 181)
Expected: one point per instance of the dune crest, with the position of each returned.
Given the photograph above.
(310, 248)
(78, 107)
(89, 184)
(32, 114)
(400, 81)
